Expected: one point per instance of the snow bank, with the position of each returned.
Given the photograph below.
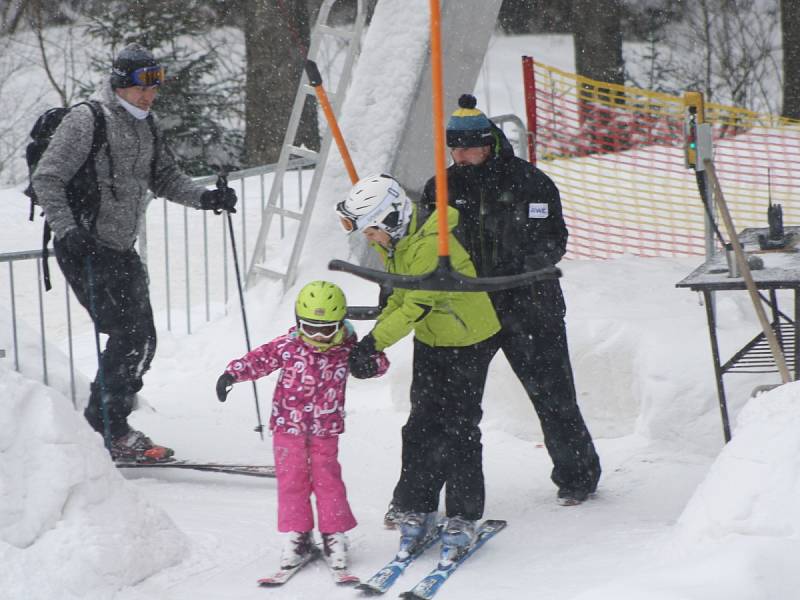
(739, 535)
(752, 488)
(29, 343)
(70, 526)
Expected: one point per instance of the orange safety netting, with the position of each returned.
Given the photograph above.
(617, 156)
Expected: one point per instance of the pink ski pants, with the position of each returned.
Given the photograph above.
(305, 464)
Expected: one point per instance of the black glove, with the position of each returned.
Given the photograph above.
(78, 242)
(362, 362)
(224, 385)
(219, 200)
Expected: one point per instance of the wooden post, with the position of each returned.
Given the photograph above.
(744, 269)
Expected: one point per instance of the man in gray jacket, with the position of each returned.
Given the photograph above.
(96, 251)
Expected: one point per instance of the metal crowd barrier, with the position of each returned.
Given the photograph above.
(203, 272)
(202, 269)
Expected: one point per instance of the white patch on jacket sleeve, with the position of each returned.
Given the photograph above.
(537, 210)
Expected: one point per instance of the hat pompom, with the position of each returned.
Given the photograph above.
(467, 101)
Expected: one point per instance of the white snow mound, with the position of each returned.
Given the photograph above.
(742, 521)
(70, 525)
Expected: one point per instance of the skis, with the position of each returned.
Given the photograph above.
(283, 575)
(385, 577)
(430, 584)
(341, 577)
(252, 470)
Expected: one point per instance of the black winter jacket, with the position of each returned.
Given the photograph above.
(510, 222)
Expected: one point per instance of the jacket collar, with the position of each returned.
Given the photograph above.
(106, 95)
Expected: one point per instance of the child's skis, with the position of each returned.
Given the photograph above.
(343, 577)
(340, 576)
(430, 584)
(283, 575)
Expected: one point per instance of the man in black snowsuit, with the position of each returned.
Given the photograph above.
(96, 251)
(511, 222)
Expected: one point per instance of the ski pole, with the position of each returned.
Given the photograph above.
(315, 80)
(101, 383)
(222, 183)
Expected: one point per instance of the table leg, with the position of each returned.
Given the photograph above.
(796, 333)
(712, 332)
(776, 319)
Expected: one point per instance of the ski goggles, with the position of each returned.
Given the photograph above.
(149, 76)
(349, 224)
(318, 331)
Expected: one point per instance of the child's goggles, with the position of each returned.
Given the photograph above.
(318, 331)
(149, 76)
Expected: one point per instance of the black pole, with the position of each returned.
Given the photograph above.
(222, 183)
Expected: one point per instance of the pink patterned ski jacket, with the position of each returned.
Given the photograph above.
(309, 396)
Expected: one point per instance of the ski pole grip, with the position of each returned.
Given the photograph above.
(312, 72)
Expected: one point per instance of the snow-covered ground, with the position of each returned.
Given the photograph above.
(674, 517)
(677, 516)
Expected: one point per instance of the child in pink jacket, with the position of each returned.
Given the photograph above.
(307, 418)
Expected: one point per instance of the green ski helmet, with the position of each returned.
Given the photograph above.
(322, 302)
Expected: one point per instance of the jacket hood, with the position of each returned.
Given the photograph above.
(503, 148)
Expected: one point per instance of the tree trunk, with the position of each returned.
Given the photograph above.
(598, 40)
(276, 42)
(535, 16)
(790, 24)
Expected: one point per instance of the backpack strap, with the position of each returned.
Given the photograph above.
(99, 138)
(156, 149)
(47, 233)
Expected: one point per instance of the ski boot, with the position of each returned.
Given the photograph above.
(568, 497)
(135, 446)
(457, 536)
(392, 517)
(296, 549)
(415, 527)
(334, 547)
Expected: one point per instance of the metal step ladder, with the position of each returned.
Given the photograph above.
(289, 151)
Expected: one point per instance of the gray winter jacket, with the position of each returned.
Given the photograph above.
(131, 144)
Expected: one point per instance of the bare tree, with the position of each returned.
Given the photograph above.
(14, 116)
(790, 26)
(11, 15)
(276, 40)
(62, 74)
(598, 39)
(57, 51)
(727, 49)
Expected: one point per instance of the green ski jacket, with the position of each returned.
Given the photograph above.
(438, 318)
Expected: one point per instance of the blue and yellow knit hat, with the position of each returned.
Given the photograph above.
(468, 127)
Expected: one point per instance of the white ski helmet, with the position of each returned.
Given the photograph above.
(376, 201)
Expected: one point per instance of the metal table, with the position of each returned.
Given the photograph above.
(781, 271)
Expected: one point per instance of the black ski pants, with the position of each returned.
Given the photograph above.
(534, 340)
(442, 437)
(113, 287)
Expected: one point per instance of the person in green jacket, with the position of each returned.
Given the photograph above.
(452, 350)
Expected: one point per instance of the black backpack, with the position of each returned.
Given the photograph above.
(83, 193)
